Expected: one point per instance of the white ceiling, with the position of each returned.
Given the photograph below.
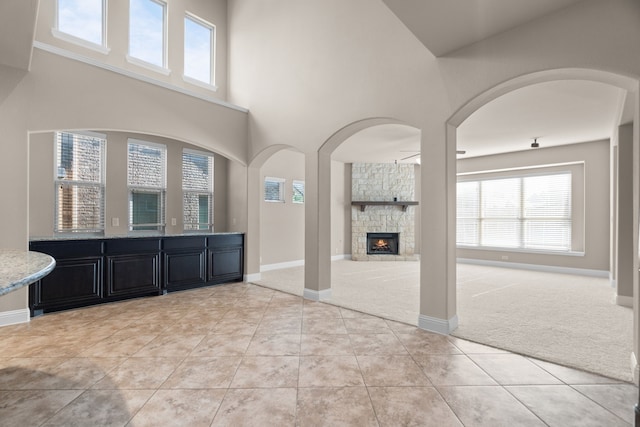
(444, 26)
(557, 113)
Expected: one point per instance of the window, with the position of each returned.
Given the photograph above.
(197, 188)
(79, 182)
(273, 189)
(147, 185)
(83, 20)
(147, 32)
(298, 191)
(199, 42)
(521, 212)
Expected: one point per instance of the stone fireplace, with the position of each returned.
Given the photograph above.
(390, 214)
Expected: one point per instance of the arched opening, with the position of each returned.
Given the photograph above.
(579, 256)
(373, 160)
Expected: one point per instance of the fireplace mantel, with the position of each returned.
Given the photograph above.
(403, 203)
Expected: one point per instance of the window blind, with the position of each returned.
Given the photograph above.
(79, 182)
(274, 189)
(298, 191)
(527, 212)
(146, 176)
(197, 186)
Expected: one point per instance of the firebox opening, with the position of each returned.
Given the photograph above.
(382, 243)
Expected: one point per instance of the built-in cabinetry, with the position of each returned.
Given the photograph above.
(93, 271)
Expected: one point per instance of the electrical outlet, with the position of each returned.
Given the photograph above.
(115, 222)
(505, 257)
(173, 221)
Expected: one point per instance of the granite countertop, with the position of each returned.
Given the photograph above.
(122, 236)
(21, 268)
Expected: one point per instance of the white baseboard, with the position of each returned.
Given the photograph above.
(314, 295)
(439, 326)
(281, 265)
(536, 267)
(624, 301)
(14, 316)
(340, 257)
(254, 277)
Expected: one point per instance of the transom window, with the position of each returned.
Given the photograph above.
(199, 42)
(298, 191)
(147, 31)
(83, 20)
(197, 188)
(273, 189)
(79, 182)
(146, 167)
(525, 212)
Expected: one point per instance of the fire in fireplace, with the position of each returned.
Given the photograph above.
(382, 243)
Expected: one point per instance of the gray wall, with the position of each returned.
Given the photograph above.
(590, 203)
(282, 234)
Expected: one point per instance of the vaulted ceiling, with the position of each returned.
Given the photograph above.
(444, 26)
(557, 113)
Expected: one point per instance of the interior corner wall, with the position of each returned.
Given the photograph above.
(340, 209)
(282, 223)
(594, 204)
(625, 219)
(14, 182)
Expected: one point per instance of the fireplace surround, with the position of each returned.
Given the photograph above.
(383, 201)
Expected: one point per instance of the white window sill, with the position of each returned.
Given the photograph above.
(199, 83)
(148, 65)
(520, 250)
(80, 42)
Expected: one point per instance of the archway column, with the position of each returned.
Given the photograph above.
(438, 246)
(252, 237)
(317, 212)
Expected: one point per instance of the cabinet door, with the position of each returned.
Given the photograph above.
(185, 269)
(73, 282)
(129, 275)
(225, 264)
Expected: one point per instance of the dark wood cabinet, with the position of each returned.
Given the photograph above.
(185, 263)
(133, 267)
(225, 258)
(93, 271)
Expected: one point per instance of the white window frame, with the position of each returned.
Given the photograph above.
(208, 192)
(297, 182)
(160, 226)
(211, 84)
(521, 247)
(280, 182)
(62, 35)
(60, 180)
(164, 68)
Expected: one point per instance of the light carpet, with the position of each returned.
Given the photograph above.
(561, 318)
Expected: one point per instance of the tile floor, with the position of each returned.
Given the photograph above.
(241, 354)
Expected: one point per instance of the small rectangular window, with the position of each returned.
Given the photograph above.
(83, 20)
(147, 31)
(197, 188)
(146, 178)
(298, 191)
(79, 182)
(273, 189)
(199, 42)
